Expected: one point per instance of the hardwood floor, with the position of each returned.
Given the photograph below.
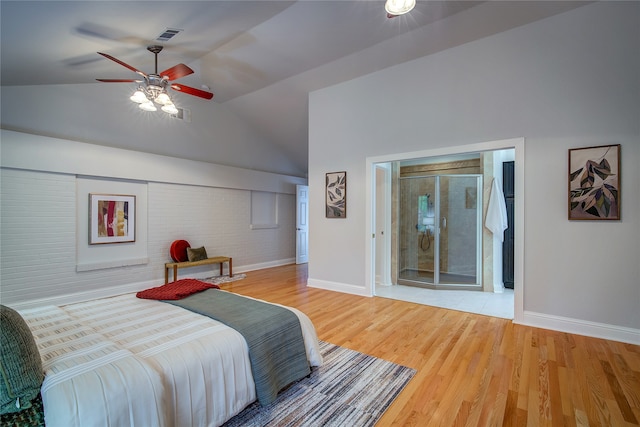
(472, 370)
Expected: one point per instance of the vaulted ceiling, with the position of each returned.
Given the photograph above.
(260, 58)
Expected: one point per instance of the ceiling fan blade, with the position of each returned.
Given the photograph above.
(124, 64)
(176, 72)
(101, 33)
(119, 80)
(192, 91)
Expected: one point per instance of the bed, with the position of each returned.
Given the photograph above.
(130, 361)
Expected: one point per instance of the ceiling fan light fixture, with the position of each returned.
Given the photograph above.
(139, 97)
(169, 108)
(148, 106)
(163, 99)
(155, 85)
(399, 7)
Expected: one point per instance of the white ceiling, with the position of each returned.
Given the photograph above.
(260, 58)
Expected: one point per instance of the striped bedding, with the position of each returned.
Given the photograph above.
(127, 361)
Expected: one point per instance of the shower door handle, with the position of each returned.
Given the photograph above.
(444, 222)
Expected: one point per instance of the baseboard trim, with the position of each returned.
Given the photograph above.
(204, 272)
(262, 265)
(133, 287)
(581, 327)
(338, 287)
(86, 295)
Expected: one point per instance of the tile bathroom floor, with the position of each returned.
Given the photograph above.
(487, 303)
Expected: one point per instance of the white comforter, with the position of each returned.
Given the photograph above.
(127, 361)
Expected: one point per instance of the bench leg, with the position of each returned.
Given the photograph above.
(230, 268)
(166, 275)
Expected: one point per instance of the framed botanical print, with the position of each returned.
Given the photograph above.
(594, 183)
(336, 195)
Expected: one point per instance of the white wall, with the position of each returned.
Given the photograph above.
(45, 182)
(572, 80)
(100, 113)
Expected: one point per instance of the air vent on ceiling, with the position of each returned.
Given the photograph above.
(168, 34)
(183, 114)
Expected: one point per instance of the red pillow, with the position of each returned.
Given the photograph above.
(176, 290)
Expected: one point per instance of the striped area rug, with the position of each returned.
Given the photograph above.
(349, 389)
(216, 280)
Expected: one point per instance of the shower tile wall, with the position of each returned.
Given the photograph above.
(414, 251)
(458, 254)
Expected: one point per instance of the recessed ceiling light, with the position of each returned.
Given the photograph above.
(399, 7)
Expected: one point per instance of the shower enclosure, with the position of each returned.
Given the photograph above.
(439, 236)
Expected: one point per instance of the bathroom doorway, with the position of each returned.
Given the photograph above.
(495, 300)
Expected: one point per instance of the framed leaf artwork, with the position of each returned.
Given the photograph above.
(336, 195)
(594, 183)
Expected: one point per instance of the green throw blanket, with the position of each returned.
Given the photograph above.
(273, 334)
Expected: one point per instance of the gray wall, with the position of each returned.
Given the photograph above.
(572, 80)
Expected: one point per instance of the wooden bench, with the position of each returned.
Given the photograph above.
(177, 265)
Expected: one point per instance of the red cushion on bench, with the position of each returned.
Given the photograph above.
(178, 250)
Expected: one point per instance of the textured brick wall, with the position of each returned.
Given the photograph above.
(39, 235)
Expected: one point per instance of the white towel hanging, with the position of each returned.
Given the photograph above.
(496, 220)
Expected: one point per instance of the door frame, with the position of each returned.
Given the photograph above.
(517, 144)
(383, 224)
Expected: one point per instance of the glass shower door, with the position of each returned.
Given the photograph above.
(418, 221)
(459, 236)
(439, 231)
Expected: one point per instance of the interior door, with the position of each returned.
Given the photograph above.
(302, 224)
(508, 245)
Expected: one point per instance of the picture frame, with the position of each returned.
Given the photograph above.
(594, 183)
(336, 195)
(112, 218)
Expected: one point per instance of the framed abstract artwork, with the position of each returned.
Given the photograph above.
(112, 218)
(336, 195)
(594, 183)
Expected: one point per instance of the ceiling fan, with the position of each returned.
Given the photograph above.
(153, 87)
